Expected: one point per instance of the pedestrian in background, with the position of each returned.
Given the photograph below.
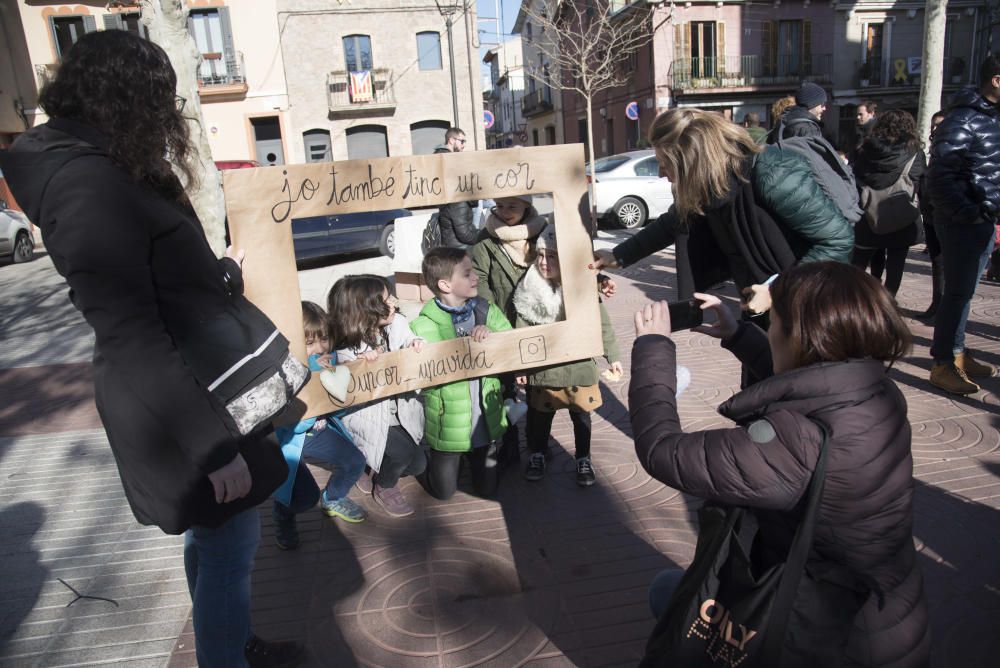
(963, 183)
(459, 226)
(121, 231)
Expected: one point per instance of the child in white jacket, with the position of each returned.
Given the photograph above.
(365, 323)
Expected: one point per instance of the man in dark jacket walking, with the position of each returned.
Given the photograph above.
(457, 220)
(963, 182)
(805, 119)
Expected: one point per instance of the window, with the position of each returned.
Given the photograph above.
(609, 134)
(534, 137)
(647, 167)
(67, 29)
(426, 136)
(213, 35)
(317, 145)
(527, 31)
(429, 50)
(789, 48)
(126, 21)
(550, 135)
(703, 52)
(367, 141)
(358, 53)
(874, 34)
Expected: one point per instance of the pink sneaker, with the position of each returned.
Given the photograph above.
(392, 501)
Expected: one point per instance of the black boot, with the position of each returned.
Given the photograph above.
(937, 288)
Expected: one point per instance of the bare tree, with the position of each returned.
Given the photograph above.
(166, 23)
(587, 44)
(935, 15)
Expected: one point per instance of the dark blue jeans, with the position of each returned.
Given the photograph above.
(218, 563)
(329, 449)
(965, 250)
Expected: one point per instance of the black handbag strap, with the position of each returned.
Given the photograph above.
(795, 565)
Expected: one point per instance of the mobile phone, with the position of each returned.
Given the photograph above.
(685, 314)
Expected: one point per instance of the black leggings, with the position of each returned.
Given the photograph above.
(540, 427)
(895, 263)
(402, 457)
(441, 480)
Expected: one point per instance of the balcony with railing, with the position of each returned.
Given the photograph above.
(693, 75)
(537, 102)
(343, 101)
(222, 75)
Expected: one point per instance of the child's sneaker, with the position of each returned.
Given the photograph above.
(286, 530)
(343, 508)
(392, 501)
(536, 467)
(585, 472)
(364, 483)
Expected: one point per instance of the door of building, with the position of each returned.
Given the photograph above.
(267, 140)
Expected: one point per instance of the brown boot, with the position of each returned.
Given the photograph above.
(973, 368)
(950, 378)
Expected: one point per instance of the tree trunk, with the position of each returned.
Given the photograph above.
(935, 16)
(166, 22)
(590, 159)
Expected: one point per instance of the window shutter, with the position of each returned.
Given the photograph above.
(228, 46)
(55, 37)
(89, 24)
(720, 46)
(687, 40)
(807, 58)
(113, 22)
(767, 47)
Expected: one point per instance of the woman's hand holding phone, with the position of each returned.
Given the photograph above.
(725, 324)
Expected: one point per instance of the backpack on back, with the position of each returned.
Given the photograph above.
(894, 208)
(431, 237)
(832, 174)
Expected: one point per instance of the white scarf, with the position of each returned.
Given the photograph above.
(516, 239)
(538, 301)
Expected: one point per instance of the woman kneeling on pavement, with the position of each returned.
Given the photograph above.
(834, 331)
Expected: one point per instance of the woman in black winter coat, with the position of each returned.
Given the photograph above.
(833, 331)
(120, 230)
(885, 153)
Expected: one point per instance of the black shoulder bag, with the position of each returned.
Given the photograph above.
(725, 613)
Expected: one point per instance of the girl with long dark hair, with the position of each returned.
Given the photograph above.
(117, 225)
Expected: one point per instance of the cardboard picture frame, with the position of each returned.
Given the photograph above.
(262, 202)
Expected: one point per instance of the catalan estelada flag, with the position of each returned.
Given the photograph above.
(361, 86)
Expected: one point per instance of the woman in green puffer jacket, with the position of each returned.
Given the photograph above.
(742, 211)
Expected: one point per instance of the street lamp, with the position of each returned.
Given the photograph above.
(448, 11)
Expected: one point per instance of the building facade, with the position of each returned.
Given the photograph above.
(541, 105)
(506, 95)
(240, 79)
(378, 82)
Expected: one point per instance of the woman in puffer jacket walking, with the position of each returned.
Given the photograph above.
(833, 332)
(891, 147)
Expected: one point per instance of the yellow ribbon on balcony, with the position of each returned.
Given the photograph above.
(900, 66)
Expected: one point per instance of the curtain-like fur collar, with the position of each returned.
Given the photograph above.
(538, 301)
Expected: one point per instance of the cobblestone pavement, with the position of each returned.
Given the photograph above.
(547, 574)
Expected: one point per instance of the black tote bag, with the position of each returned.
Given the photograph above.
(725, 614)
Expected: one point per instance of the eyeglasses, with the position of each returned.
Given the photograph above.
(179, 102)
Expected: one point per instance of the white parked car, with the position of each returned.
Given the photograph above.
(16, 239)
(628, 190)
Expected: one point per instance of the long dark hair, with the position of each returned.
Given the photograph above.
(124, 87)
(355, 306)
(832, 312)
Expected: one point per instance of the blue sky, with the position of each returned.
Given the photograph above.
(487, 9)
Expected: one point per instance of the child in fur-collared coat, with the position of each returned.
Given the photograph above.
(538, 300)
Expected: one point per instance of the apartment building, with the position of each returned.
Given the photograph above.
(541, 105)
(506, 95)
(240, 78)
(373, 78)
(737, 57)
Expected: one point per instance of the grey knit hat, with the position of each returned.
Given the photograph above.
(810, 95)
(547, 239)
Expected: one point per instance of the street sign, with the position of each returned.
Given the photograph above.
(488, 118)
(523, 137)
(632, 111)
